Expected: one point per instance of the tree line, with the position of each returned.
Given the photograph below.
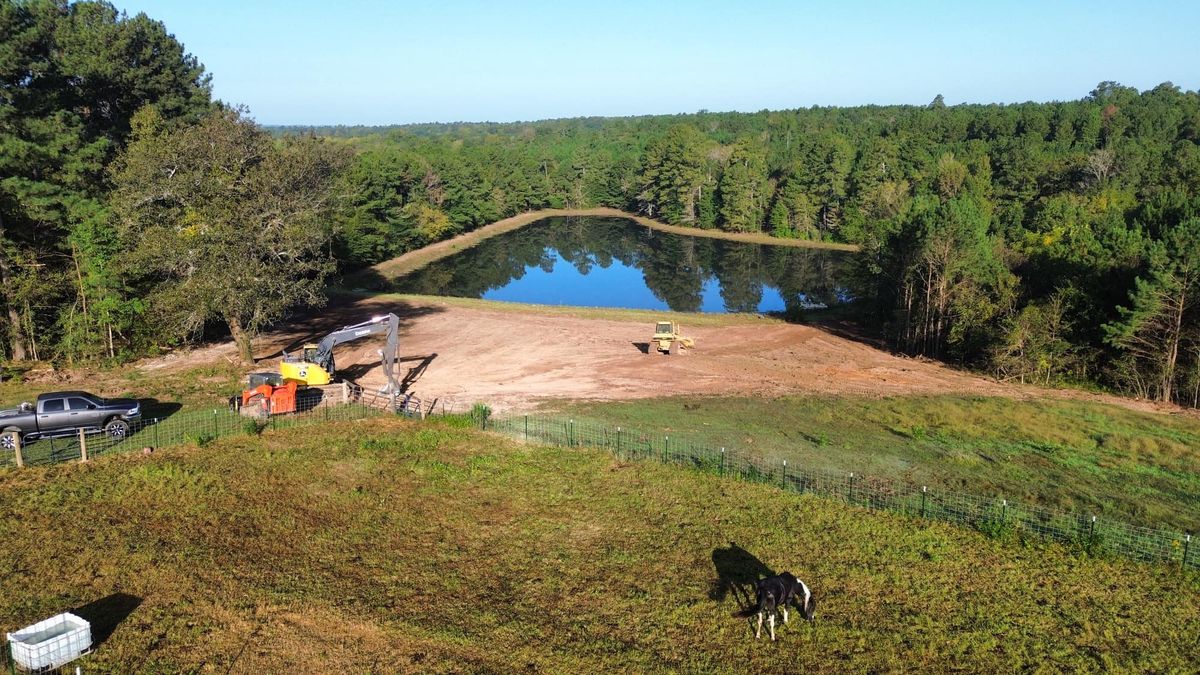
(135, 211)
(1040, 241)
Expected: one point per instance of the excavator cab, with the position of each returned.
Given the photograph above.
(305, 369)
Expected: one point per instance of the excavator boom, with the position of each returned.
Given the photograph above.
(321, 369)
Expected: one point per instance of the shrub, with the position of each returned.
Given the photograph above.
(480, 414)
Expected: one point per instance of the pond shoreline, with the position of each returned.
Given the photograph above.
(415, 260)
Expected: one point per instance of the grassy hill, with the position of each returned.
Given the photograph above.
(384, 545)
(1083, 456)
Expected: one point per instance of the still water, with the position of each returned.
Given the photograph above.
(614, 262)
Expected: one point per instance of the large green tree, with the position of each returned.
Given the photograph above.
(1160, 329)
(71, 77)
(223, 224)
(744, 187)
(674, 176)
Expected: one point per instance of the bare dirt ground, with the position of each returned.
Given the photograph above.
(518, 360)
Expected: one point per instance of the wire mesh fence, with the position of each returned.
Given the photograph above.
(190, 426)
(993, 516)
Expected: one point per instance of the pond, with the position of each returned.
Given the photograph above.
(615, 262)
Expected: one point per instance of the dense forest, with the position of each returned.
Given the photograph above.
(1041, 241)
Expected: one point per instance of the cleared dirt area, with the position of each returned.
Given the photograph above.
(519, 357)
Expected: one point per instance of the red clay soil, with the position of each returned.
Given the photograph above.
(517, 360)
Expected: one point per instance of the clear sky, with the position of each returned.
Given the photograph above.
(381, 62)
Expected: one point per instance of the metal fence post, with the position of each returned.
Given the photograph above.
(851, 496)
(156, 432)
(215, 424)
(618, 442)
(1003, 511)
(722, 461)
(527, 428)
(784, 477)
(1187, 543)
(666, 444)
(924, 490)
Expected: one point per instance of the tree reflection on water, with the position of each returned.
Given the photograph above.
(675, 268)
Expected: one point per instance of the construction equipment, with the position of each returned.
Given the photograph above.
(268, 394)
(668, 339)
(277, 393)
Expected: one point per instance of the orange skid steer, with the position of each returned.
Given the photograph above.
(270, 398)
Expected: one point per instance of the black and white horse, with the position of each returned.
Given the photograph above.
(775, 593)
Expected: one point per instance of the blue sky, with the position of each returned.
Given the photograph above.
(378, 62)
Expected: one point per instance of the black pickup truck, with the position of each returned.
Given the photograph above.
(64, 413)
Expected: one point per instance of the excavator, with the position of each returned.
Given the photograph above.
(277, 393)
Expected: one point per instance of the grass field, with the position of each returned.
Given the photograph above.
(1083, 456)
(204, 386)
(386, 546)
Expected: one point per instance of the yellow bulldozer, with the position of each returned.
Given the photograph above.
(668, 339)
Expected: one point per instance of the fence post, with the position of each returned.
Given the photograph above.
(618, 442)
(156, 432)
(722, 461)
(1003, 511)
(570, 433)
(527, 428)
(666, 444)
(851, 487)
(215, 424)
(784, 477)
(1187, 543)
(17, 449)
(345, 392)
(1092, 535)
(924, 490)
(82, 446)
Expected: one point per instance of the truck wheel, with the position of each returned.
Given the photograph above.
(117, 429)
(9, 441)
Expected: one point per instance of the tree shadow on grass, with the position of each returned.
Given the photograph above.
(737, 571)
(106, 614)
(154, 409)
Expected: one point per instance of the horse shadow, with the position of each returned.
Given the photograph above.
(737, 571)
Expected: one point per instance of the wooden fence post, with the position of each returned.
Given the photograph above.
(17, 449)
(345, 393)
(82, 446)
